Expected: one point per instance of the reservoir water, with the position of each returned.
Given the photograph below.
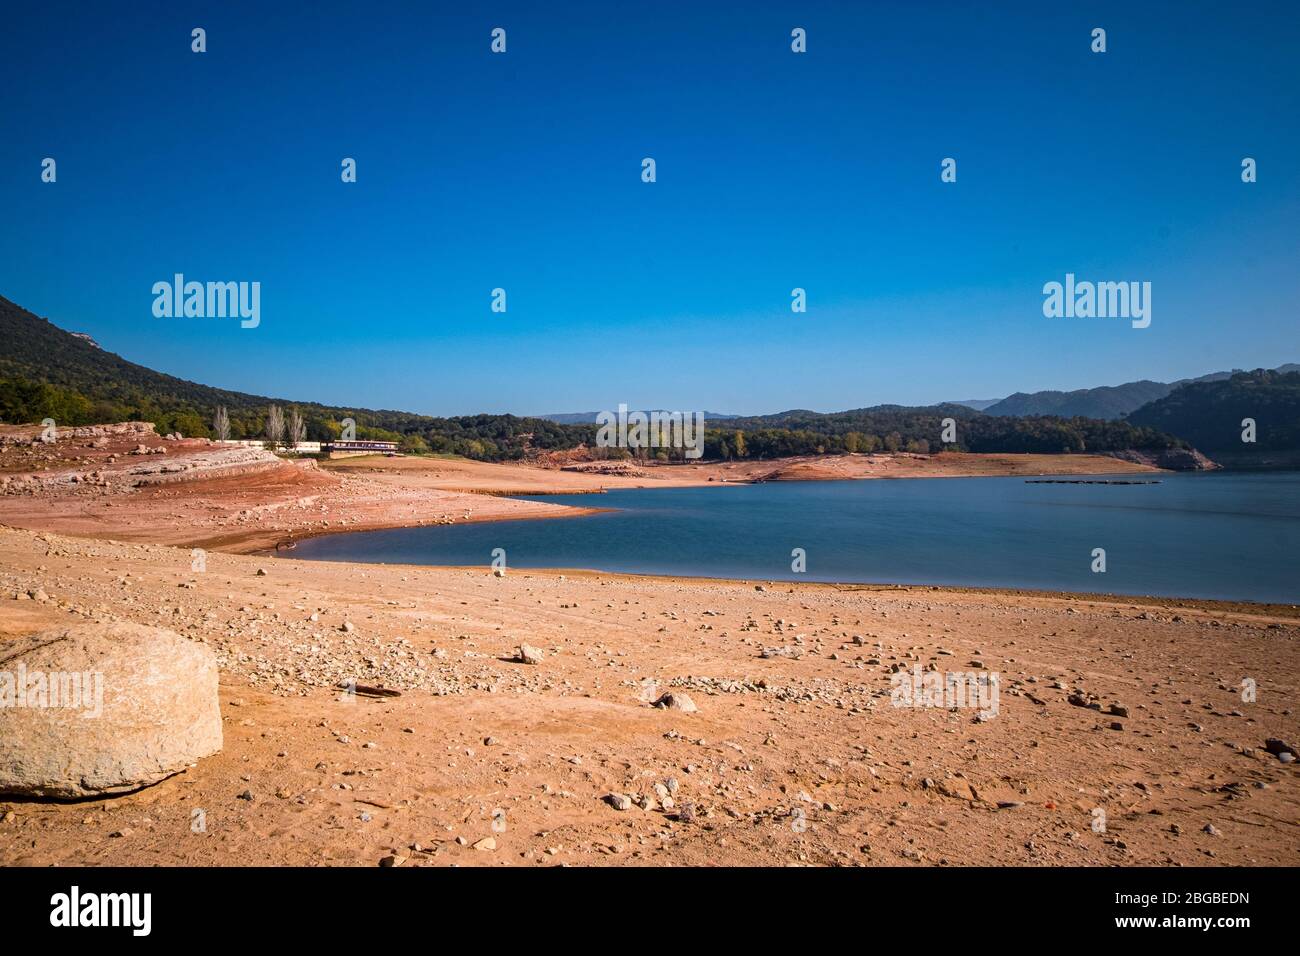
(1210, 535)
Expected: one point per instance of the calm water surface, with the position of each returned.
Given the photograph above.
(1210, 535)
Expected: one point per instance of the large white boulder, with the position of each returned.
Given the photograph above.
(103, 708)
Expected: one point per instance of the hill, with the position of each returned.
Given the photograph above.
(1210, 415)
(1105, 401)
(47, 371)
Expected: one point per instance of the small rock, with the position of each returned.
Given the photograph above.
(677, 701)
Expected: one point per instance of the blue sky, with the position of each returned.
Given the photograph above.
(775, 170)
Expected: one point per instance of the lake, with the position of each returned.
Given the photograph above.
(1209, 535)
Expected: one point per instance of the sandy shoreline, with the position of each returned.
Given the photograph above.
(132, 485)
(462, 475)
(797, 754)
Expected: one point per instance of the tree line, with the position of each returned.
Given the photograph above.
(511, 437)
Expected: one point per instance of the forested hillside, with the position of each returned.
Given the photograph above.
(1210, 414)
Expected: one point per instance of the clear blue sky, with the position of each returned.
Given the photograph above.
(775, 170)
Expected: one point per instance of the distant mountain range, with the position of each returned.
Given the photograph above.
(979, 404)
(1106, 402)
(48, 371)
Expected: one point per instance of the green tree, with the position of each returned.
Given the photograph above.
(189, 424)
(415, 445)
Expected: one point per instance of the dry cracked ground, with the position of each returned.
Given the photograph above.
(1121, 734)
